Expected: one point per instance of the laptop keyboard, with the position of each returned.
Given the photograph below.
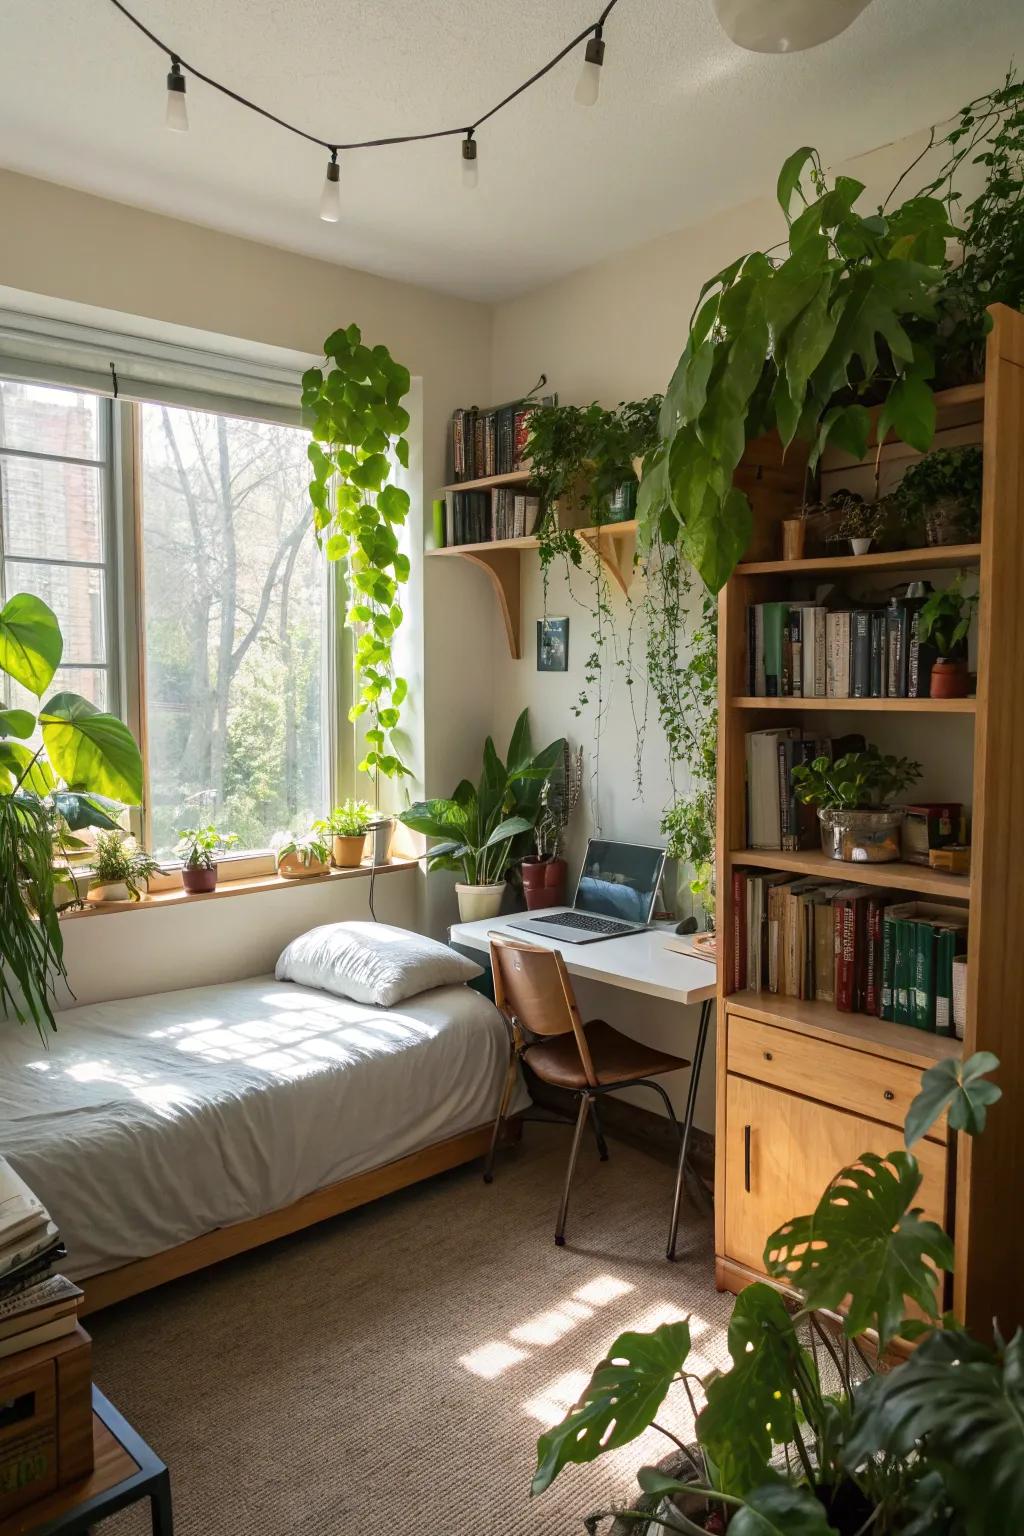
(585, 921)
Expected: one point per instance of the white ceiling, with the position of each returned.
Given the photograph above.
(687, 123)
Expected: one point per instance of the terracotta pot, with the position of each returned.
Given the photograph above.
(544, 882)
(291, 867)
(198, 880)
(949, 679)
(347, 852)
(794, 537)
(479, 901)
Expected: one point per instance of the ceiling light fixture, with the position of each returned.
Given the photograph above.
(330, 197)
(588, 86)
(470, 169)
(786, 26)
(177, 111)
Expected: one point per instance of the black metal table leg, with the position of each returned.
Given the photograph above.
(161, 1517)
(706, 1009)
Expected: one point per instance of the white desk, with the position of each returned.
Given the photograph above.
(637, 962)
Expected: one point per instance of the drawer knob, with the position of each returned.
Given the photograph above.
(768, 1056)
(888, 1095)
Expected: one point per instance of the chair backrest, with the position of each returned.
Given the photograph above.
(534, 991)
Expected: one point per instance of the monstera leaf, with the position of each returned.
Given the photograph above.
(959, 1086)
(17, 722)
(31, 645)
(754, 1404)
(775, 1509)
(966, 1404)
(864, 1241)
(27, 769)
(90, 750)
(618, 1403)
(80, 810)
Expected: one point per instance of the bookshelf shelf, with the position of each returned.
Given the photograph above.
(936, 557)
(934, 884)
(859, 1031)
(614, 545)
(491, 482)
(925, 706)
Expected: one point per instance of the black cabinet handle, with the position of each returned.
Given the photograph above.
(746, 1158)
(888, 1095)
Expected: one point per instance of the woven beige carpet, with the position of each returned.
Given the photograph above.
(388, 1373)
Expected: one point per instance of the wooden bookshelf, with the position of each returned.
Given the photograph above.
(614, 544)
(801, 1114)
(491, 482)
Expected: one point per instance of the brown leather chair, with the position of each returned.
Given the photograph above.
(533, 990)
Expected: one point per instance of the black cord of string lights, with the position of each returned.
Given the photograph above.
(595, 49)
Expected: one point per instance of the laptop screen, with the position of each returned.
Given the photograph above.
(619, 880)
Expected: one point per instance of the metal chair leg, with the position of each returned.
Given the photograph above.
(691, 1104)
(506, 1094)
(602, 1145)
(581, 1120)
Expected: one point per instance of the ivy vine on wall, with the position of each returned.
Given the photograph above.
(354, 409)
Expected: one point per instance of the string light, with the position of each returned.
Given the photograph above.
(588, 85)
(330, 197)
(587, 90)
(470, 169)
(177, 111)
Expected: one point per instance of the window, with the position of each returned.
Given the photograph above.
(55, 531)
(234, 627)
(228, 637)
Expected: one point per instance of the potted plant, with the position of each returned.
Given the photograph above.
(794, 532)
(940, 496)
(482, 826)
(347, 826)
(299, 858)
(544, 871)
(587, 455)
(852, 795)
(119, 869)
(197, 849)
(860, 522)
(944, 622)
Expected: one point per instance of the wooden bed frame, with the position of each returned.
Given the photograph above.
(224, 1242)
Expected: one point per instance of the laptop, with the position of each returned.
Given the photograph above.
(617, 888)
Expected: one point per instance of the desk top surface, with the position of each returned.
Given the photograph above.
(636, 962)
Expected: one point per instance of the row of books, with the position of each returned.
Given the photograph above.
(487, 442)
(864, 951)
(806, 650)
(480, 517)
(36, 1305)
(775, 818)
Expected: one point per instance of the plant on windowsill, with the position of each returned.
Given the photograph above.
(354, 407)
(198, 848)
(84, 770)
(120, 869)
(944, 622)
(299, 858)
(544, 871)
(852, 796)
(347, 826)
(803, 1435)
(484, 827)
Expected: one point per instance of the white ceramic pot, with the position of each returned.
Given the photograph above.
(860, 546)
(114, 890)
(479, 901)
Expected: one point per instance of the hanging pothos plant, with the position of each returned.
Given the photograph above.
(354, 407)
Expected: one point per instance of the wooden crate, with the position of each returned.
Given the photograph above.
(46, 1438)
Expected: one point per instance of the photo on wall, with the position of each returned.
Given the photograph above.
(553, 645)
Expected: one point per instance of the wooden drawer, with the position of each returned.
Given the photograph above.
(855, 1080)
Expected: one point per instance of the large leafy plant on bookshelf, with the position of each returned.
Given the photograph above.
(69, 767)
(934, 1447)
(358, 423)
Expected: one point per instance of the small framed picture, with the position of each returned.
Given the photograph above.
(552, 645)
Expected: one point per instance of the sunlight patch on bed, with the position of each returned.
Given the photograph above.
(493, 1359)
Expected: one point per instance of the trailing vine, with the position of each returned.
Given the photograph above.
(354, 407)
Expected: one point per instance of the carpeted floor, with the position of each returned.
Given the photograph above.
(388, 1373)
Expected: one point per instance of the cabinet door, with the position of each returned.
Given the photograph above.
(781, 1153)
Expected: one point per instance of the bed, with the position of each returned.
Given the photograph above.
(168, 1131)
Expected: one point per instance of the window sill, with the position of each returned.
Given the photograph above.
(226, 888)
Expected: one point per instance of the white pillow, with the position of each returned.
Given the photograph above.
(371, 963)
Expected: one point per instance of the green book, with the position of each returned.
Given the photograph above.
(902, 970)
(887, 1010)
(951, 940)
(922, 1013)
(776, 617)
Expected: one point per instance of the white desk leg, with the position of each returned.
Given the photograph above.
(691, 1104)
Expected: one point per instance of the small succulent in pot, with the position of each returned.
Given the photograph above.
(347, 826)
(944, 623)
(853, 797)
(198, 848)
(120, 868)
(300, 857)
(860, 521)
(939, 497)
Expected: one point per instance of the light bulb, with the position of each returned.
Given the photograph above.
(177, 111)
(470, 168)
(330, 197)
(786, 26)
(588, 85)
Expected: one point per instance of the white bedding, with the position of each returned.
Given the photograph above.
(150, 1121)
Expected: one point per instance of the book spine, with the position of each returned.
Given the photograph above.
(739, 930)
(760, 680)
(873, 957)
(888, 961)
(844, 951)
(861, 650)
(877, 654)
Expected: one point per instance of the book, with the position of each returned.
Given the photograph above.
(23, 1249)
(860, 644)
(22, 1213)
(39, 1304)
(56, 1328)
(838, 654)
(775, 621)
(764, 817)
